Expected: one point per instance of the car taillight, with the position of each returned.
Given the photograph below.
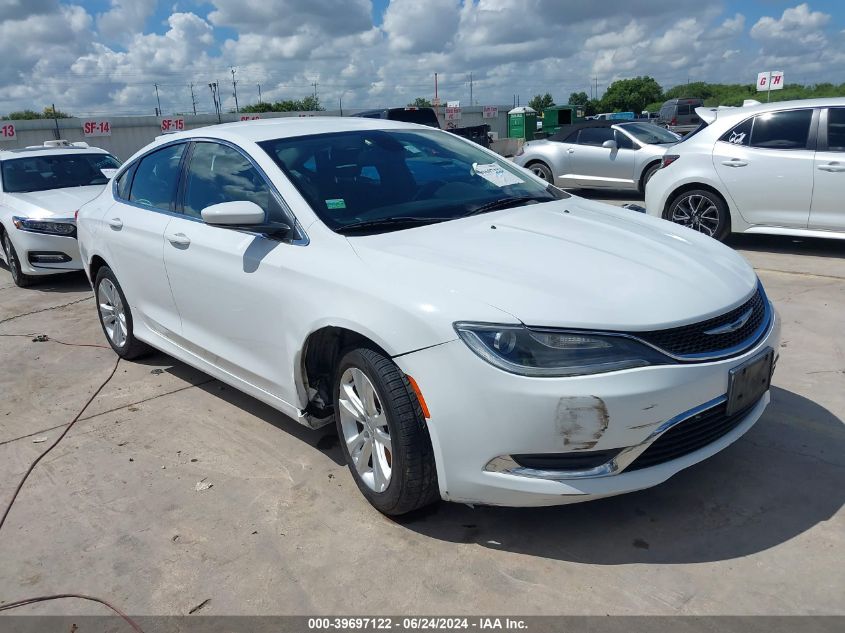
(668, 159)
(674, 121)
(76, 215)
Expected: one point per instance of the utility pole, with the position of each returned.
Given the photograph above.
(213, 87)
(315, 92)
(470, 89)
(235, 91)
(158, 101)
(193, 99)
(597, 86)
(259, 93)
(436, 98)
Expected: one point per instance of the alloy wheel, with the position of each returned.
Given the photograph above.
(365, 430)
(11, 259)
(112, 312)
(697, 212)
(539, 172)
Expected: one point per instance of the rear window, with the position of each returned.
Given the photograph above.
(836, 130)
(789, 129)
(739, 134)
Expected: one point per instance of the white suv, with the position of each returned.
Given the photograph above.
(41, 188)
(776, 168)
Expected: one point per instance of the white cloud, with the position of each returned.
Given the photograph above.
(421, 27)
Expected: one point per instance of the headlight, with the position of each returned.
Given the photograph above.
(63, 226)
(540, 352)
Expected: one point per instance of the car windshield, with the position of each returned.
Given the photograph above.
(56, 171)
(650, 134)
(383, 180)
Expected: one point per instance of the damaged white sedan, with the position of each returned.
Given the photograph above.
(476, 334)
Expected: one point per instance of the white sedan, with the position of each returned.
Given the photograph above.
(41, 188)
(776, 168)
(476, 334)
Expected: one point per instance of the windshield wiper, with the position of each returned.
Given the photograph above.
(504, 203)
(367, 225)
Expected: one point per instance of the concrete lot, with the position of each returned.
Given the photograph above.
(113, 511)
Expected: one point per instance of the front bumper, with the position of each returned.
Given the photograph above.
(480, 415)
(28, 245)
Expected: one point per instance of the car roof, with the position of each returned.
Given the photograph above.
(24, 152)
(288, 127)
(728, 113)
(569, 128)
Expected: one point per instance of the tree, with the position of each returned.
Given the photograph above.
(631, 95)
(420, 102)
(308, 104)
(541, 102)
(29, 115)
(579, 98)
(51, 113)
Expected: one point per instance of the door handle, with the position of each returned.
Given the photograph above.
(570, 151)
(179, 239)
(734, 162)
(832, 167)
(116, 223)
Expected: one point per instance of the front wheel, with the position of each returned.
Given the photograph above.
(21, 280)
(116, 317)
(702, 211)
(541, 170)
(383, 433)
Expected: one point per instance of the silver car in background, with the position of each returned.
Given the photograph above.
(599, 154)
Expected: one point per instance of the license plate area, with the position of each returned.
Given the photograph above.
(749, 381)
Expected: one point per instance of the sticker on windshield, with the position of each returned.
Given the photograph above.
(336, 203)
(108, 173)
(496, 174)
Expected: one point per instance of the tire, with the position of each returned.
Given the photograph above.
(647, 174)
(111, 302)
(541, 170)
(701, 210)
(396, 472)
(21, 280)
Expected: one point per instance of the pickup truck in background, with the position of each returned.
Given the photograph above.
(426, 116)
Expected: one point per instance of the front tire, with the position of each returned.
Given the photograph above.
(701, 210)
(383, 433)
(541, 170)
(116, 316)
(21, 280)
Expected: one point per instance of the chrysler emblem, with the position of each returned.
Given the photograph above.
(733, 326)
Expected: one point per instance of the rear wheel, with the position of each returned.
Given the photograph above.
(383, 433)
(116, 317)
(21, 280)
(541, 170)
(701, 210)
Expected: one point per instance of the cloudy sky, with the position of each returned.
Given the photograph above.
(103, 56)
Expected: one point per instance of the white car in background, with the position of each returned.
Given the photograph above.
(475, 333)
(41, 188)
(776, 168)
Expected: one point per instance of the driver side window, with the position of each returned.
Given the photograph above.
(595, 136)
(217, 173)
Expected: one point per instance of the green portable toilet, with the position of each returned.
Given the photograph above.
(522, 123)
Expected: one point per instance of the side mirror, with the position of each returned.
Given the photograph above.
(242, 215)
(611, 145)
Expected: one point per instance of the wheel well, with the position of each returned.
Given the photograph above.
(321, 353)
(97, 263)
(645, 170)
(536, 161)
(689, 187)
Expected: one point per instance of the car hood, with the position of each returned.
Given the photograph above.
(572, 263)
(53, 203)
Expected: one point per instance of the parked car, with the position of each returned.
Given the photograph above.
(679, 115)
(598, 155)
(475, 333)
(41, 187)
(769, 168)
(427, 116)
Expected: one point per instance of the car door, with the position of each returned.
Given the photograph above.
(229, 285)
(827, 211)
(766, 165)
(597, 166)
(560, 157)
(136, 223)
